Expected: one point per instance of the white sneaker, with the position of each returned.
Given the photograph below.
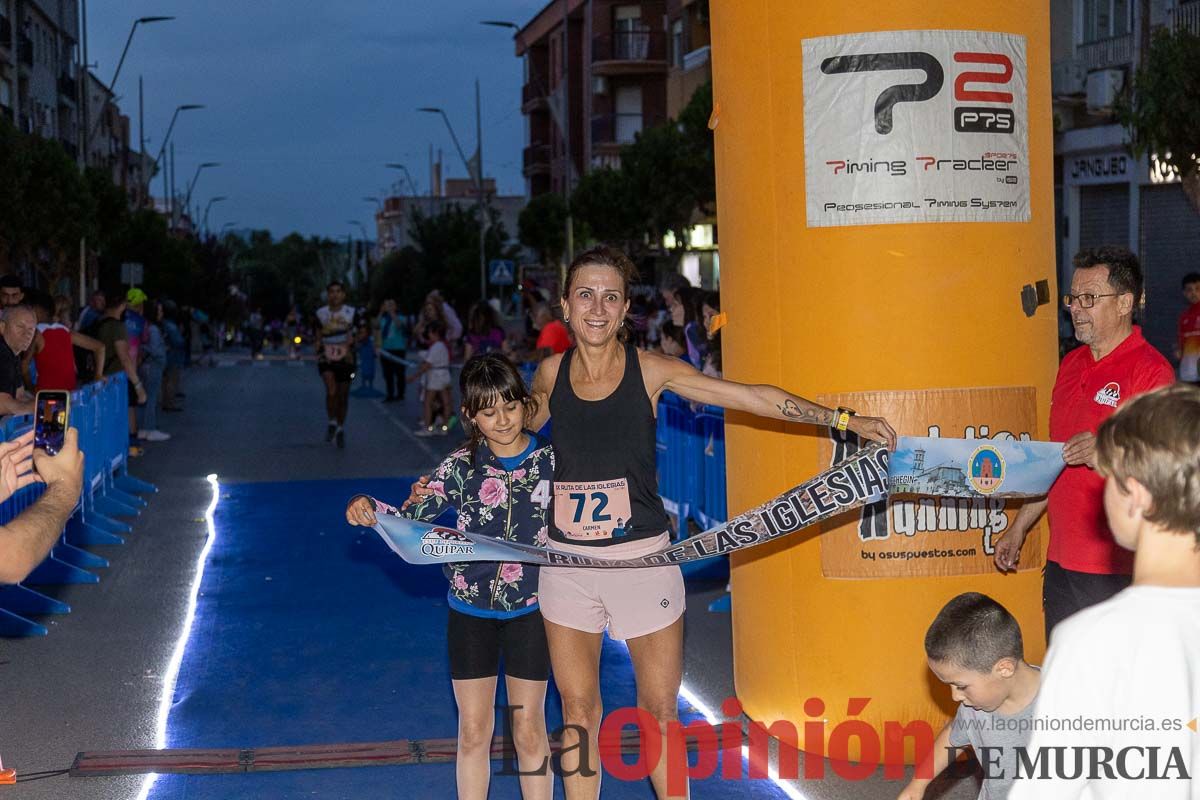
(154, 436)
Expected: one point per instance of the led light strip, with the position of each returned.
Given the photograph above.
(185, 632)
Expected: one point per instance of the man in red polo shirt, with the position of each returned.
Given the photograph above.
(1084, 565)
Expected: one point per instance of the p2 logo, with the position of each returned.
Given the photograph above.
(967, 119)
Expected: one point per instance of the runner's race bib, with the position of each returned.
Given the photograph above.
(335, 352)
(590, 511)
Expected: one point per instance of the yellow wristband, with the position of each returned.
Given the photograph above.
(841, 419)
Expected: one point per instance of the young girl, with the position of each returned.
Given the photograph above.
(435, 369)
(500, 484)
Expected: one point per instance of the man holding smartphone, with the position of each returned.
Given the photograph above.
(25, 541)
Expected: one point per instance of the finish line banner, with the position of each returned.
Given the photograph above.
(853, 482)
(973, 467)
(953, 492)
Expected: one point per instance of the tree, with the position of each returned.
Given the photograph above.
(542, 226)
(447, 249)
(608, 209)
(1162, 111)
(697, 160)
(57, 211)
(666, 178)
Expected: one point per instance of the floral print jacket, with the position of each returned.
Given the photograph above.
(493, 501)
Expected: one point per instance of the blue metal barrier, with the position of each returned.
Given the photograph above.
(99, 413)
(691, 460)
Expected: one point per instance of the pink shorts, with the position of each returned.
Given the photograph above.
(629, 602)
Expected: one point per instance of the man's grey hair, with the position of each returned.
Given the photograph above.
(5, 314)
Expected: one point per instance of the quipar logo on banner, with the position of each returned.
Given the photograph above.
(915, 126)
(912, 535)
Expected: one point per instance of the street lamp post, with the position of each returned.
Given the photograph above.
(412, 185)
(187, 203)
(483, 224)
(87, 143)
(363, 229)
(163, 147)
(561, 118)
(216, 199)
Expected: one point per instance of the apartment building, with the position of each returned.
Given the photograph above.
(39, 91)
(595, 76)
(689, 46)
(394, 216)
(1103, 194)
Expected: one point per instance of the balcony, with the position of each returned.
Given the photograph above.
(1116, 51)
(1186, 17)
(619, 129)
(536, 160)
(67, 86)
(533, 97)
(696, 58)
(629, 52)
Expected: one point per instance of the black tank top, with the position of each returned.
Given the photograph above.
(607, 443)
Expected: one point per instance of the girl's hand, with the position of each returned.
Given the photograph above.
(361, 511)
(420, 490)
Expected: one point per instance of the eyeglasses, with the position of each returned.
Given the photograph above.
(1085, 300)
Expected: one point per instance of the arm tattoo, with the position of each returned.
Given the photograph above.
(790, 409)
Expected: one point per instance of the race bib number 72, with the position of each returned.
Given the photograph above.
(592, 510)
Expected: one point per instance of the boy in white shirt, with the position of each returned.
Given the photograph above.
(1116, 715)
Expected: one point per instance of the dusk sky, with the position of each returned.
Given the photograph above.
(306, 101)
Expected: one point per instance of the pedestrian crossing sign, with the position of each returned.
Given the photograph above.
(500, 272)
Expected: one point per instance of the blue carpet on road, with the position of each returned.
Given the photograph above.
(309, 631)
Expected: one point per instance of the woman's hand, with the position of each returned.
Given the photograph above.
(361, 511)
(420, 490)
(875, 428)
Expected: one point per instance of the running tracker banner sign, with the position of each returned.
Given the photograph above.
(846, 485)
(915, 126)
(951, 499)
(857, 480)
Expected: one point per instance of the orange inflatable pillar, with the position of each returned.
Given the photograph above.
(884, 189)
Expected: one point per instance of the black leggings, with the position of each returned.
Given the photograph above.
(477, 643)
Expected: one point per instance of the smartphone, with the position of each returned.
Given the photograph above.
(51, 416)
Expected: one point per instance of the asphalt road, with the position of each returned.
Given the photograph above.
(94, 683)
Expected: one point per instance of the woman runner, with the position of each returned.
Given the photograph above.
(602, 394)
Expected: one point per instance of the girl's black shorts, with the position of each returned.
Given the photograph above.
(477, 645)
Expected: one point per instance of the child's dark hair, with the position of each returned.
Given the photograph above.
(485, 379)
(670, 330)
(436, 327)
(973, 631)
